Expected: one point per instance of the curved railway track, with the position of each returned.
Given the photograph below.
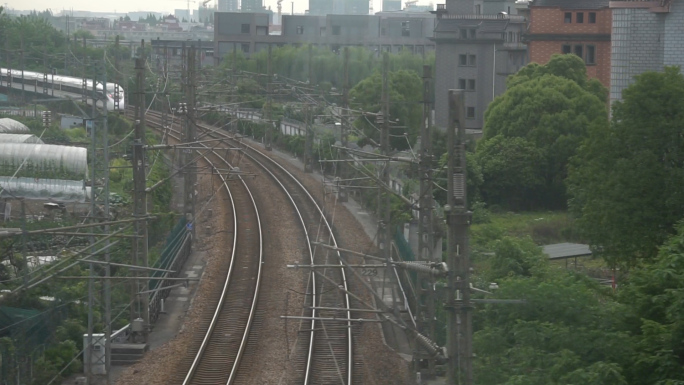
(215, 357)
(325, 353)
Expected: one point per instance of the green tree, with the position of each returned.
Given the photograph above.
(513, 168)
(627, 180)
(405, 110)
(655, 295)
(551, 107)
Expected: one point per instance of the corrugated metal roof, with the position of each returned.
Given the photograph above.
(566, 250)
(571, 4)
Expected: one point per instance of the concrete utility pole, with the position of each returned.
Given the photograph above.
(460, 331)
(269, 77)
(84, 81)
(384, 207)
(344, 127)
(23, 82)
(140, 200)
(308, 144)
(117, 79)
(107, 281)
(45, 69)
(190, 174)
(426, 306)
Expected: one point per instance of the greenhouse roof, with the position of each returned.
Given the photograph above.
(8, 125)
(35, 188)
(20, 138)
(44, 157)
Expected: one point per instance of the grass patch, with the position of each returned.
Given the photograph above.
(543, 227)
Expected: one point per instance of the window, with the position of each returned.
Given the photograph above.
(463, 60)
(461, 84)
(592, 17)
(245, 28)
(336, 30)
(405, 29)
(245, 47)
(262, 31)
(580, 17)
(471, 84)
(471, 60)
(591, 55)
(470, 113)
(478, 9)
(579, 50)
(510, 36)
(509, 10)
(568, 17)
(566, 49)
(382, 31)
(472, 33)
(300, 30)
(464, 34)
(322, 31)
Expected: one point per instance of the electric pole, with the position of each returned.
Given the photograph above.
(344, 126)
(308, 143)
(270, 124)
(84, 82)
(384, 207)
(107, 281)
(460, 332)
(426, 294)
(140, 199)
(190, 135)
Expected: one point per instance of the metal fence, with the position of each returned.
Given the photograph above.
(173, 257)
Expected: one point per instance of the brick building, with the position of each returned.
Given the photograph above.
(581, 27)
(647, 36)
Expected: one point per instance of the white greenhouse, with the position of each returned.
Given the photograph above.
(8, 125)
(34, 188)
(20, 138)
(59, 160)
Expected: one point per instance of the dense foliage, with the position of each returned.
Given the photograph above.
(627, 180)
(548, 111)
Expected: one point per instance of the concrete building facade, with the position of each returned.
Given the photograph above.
(646, 36)
(581, 27)
(228, 5)
(476, 51)
(248, 32)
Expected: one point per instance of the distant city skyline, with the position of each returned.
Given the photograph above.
(161, 6)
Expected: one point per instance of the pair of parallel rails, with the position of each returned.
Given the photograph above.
(325, 349)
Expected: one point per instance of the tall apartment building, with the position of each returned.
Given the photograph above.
(228, 5)
(581, 27)
(339, 7)
(646, 36)
(478, 44)
(252, 5)
(392, 32)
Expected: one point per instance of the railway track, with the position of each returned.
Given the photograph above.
(215, 356)
(325, 354)
(325, 347)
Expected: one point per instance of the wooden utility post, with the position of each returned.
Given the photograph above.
(460, 331)
(140, 302)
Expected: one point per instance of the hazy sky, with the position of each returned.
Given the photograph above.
(166, 6)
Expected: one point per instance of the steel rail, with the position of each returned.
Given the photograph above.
(313, 330)
(217, 313)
